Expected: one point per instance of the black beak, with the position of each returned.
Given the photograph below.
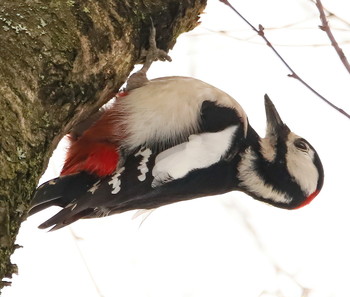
(275, 126)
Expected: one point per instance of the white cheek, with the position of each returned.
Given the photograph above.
(301, 167)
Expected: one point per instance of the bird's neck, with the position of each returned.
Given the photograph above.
(263, 174)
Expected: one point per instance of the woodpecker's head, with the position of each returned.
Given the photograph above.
(282, 169)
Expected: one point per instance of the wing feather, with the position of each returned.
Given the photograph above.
(200, 151)
(171, 132)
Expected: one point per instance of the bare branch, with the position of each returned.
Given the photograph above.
(325, 27)
(293, 74)
(333, 15)
(230, 34)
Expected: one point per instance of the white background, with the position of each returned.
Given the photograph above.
(229, 245)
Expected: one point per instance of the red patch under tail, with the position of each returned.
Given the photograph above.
(98, 158)
(96, 151)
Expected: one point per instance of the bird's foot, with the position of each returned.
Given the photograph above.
(139, 78)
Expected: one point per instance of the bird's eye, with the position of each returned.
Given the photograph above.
(301, 145)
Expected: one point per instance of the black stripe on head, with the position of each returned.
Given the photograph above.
(275, 174)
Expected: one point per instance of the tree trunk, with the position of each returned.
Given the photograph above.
(60, 61)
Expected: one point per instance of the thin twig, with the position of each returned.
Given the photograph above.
(75, 239)
(293, 74)
(333, 15)
(229, 34)
(325, 27)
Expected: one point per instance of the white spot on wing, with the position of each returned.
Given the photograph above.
(145, 153)
(102, 211)
(254, 183)
(115, 181)
(201, 151)
(94, 187)
(71, 205)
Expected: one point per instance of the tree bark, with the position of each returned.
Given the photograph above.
(59, 62)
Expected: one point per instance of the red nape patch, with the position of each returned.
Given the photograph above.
(100, 159)
(308, 199)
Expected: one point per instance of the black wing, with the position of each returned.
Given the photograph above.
(149, 178)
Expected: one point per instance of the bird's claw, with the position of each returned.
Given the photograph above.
(153, 53)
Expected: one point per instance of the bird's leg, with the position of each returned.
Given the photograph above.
(139, 78)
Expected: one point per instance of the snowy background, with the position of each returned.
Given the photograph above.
(227, 245)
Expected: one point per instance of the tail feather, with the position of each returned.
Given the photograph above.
(62, 191)
(44, 205)
(64, 218)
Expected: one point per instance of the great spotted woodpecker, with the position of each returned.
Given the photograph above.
(173, 139)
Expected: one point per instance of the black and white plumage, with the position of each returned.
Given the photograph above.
(178, 138)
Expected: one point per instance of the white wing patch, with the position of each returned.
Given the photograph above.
(200, 151)
(145, 153)
(115, 181)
